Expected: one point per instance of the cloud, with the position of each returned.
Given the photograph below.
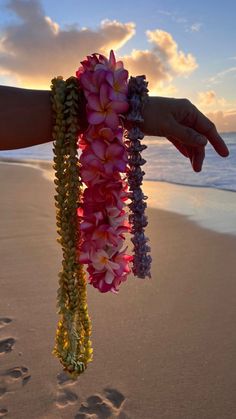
(162, 62)
(148, 63)
(225, 118)
(175, 17)
(220, 76)
(195, 27)
(37, 49)
(165, 46)
(209, 98)
(166, 90)
(224, 121)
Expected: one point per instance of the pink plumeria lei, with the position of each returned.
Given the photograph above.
(104, 158)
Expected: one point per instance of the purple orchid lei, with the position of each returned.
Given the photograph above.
(137, 95)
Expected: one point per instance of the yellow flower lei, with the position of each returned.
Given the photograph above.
(73, 345)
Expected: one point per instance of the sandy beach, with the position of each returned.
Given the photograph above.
(163, 348)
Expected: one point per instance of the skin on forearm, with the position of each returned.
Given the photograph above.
(25, 117)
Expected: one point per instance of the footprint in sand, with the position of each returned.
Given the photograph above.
(4, 321)
(65, 397)
(13, 378)
(115, 397)
(3, 390)
(63, 379)
(6, 345)
(3, 412)
(103, 408)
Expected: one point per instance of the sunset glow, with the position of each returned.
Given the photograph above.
(185, 49)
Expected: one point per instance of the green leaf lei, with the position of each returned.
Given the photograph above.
(73, 345)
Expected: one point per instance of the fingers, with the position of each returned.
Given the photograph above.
(186, 135)
(198, 158)
(195, 154)
(180, 147)
(206, 127)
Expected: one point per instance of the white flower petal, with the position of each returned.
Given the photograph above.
(109, 277)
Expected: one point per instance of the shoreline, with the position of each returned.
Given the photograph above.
(210, 208)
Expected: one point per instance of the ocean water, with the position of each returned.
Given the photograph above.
(165, 163)
(207, 198)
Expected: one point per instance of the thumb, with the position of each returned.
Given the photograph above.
(186, 135)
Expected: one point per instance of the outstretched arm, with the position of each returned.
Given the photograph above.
(26, 120)
(25, 117)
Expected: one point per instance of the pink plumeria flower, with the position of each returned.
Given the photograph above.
(116, 283)
(101, 262)
(105, 195)
(102, 109)
(103, 280)
(124, 228)
(87, 65)
(109, 277)
(118, 85)
(113, 64)
(113, 156)
(110, 64)
(103, 133)
(91, 222)
(123, 260)
(91, 170)
(115, 216)
(113, 250)
(112, 194)
(105, 235)
(91, 82)
(98, 280)
(90, 62)
(103, 63)
(107, 134)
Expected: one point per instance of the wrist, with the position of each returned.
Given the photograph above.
(150, 116)
(150, 111)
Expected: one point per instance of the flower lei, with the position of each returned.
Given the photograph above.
(137, 95)
(73, 346)
(103, 159)
(92, 223)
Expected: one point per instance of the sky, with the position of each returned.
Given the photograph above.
(185, 49)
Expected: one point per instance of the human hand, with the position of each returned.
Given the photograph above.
(188, 129)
